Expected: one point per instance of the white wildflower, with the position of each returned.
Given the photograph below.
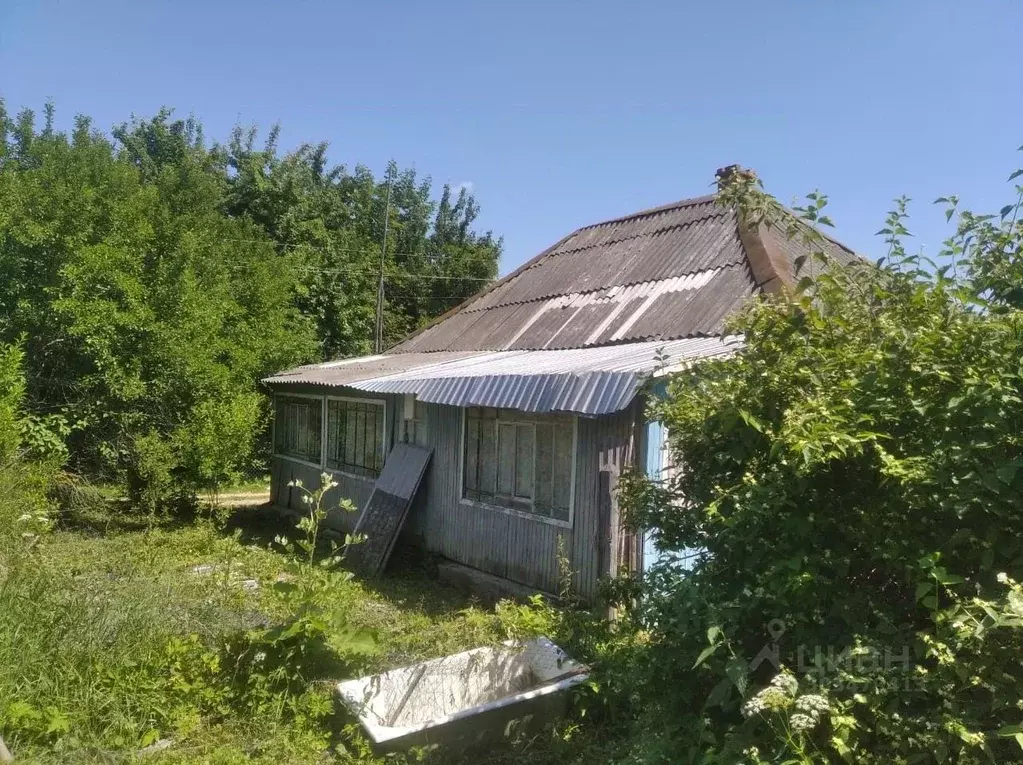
(754, 706)
(776, 696)
(786, 683)
(25, 517)
(801, 722)
(771, 698)
(1002, 577)
(812, 704)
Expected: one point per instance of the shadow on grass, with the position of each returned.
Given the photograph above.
(112, 516)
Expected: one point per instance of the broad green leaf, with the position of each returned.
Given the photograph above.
(705, 654)
(737, 670)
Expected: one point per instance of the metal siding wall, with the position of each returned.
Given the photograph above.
(284, 471)
(356, 489)
(520, 549)
(586, 528)
(616, 437)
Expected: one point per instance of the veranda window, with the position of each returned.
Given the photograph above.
(298, 426)
(355, 436)
(520, 461)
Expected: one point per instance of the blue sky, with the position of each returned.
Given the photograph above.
(564, 113)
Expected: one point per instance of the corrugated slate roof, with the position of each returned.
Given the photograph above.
(672, 272)
(580, 326)
(590, 381)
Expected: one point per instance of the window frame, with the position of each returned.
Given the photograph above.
(384, 440)
(527, 514)
(323, 428)
(418, 424)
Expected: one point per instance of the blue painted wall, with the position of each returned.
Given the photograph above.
(655, 456)
(653, 466)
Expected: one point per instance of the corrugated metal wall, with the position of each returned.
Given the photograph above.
(524, 550)
(521, 549)
(284, 470)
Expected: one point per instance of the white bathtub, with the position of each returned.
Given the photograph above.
(466, 697)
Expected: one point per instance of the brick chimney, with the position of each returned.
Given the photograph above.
(731, 173)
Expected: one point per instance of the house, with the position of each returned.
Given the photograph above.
(529, 393)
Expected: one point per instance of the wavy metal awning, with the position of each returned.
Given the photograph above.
(589, 381)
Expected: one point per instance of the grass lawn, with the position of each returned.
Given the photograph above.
(116, 636)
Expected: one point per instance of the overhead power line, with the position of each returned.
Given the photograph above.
(370, 272)
(353, 250)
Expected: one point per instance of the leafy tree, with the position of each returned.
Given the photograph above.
(156, 279)
(854, 477)
(333, 220)
(143, 306)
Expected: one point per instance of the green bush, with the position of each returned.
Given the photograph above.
(12, 390)
(854, 478)
(24, 506)
(149, 461)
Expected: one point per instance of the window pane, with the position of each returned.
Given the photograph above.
(488, 457)
(524, 461)
(518, 460)
(302, 445)
(314, 425)
(544, 489)
(355, 434)
(506, 459)
(562, 470)
(472, 451)
(349, 426)
(332, 435)
(298, 424)
(373, 437)
(368, 445)
(358, 413)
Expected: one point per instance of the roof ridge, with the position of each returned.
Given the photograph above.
(689, 202)
(656, 232)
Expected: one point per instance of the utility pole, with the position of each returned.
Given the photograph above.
(379, 340)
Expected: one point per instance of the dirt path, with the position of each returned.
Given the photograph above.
(238, 499)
